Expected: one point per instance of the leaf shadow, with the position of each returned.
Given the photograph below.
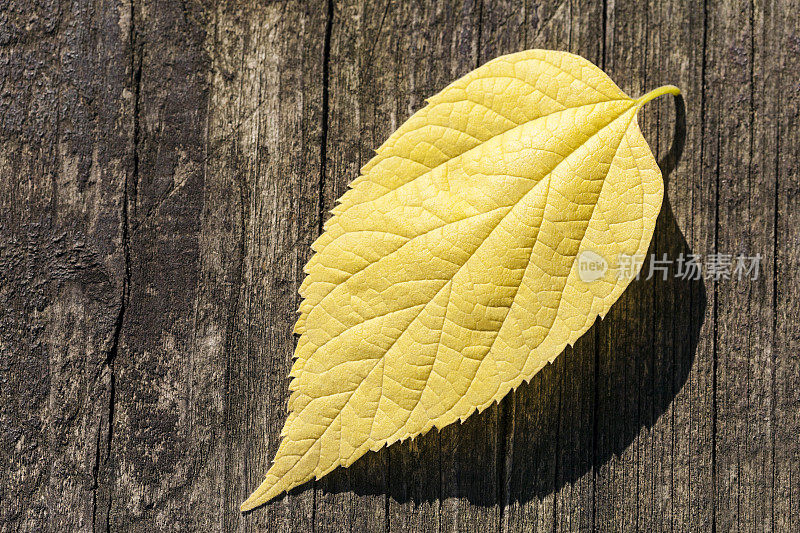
(575, 415)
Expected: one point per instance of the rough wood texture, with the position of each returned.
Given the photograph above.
(164, 167)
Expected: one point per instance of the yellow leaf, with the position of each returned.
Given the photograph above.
(450, 270)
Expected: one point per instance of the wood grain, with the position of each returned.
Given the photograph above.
(165, 166)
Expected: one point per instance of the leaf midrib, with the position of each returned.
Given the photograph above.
(382, 358)
(412, 239)
(481, 143)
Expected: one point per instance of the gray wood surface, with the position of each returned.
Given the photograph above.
(165, 166)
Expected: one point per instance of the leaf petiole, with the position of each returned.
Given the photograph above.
(655, 93)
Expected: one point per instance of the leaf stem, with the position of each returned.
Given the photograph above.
(655, 93)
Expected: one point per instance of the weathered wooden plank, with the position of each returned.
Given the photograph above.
(744, 309)
(441, 43)
(65, 134)
(153, 445)
(415, 482)
(684, 321)
(784, 28)
(385, 59)
(649, 340)
(575, 499)
(625, 338)
(354, 499)
(206, 341)
(266, 130)
(777, 152)
(547, 478)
